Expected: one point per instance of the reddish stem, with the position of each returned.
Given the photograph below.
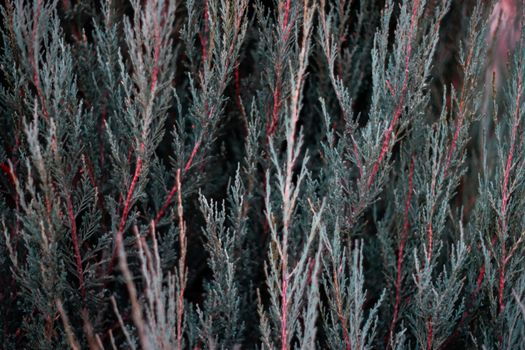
(127, 204)
(76, 246)
(286, 14)
(400, 257)
(9, 170)
(238, 100)
(204, 36)
(10, 175)
(501, 286)
(340, 312)
(175, 188)
(156, 55)
(127, 207)
(429, 333)
(390, 88)
(66, 4)
(480, 278)
(357, 158)
(284, 308)
(430, 239)
(165, 205)
(155, 72)
(102, 127)
(459, 122)
(192, 155)
(182, 261)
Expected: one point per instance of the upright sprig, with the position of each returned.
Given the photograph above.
(291, 277)
(159, 318)
(226, 25)
(221, 325)
(502, 190)
(347, 51)
(345, 320)
(147, 97)
(45, 169)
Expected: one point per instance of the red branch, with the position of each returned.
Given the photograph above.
(156, 55)
(357, 157)
(7, 170)
(182, 262)
(165, 205)
(429, 333)
(400, 257)
(237, 86)
(102, 127)
(175, 188)
(66, 4)
(400, 105)
(192, 155)
(460, 120)
(127, 207)
(430, 240)
(455, 138)
(204, 36)
(284, 307)
(339, 305)
(480, 278)
(501, 284)
(238, 100)
(390, 88)
(286, 14)
(127, 204)
(276, 97)
(76, 247)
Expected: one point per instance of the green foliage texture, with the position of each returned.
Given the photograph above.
(235, 174)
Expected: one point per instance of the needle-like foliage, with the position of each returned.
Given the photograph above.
(234, 174)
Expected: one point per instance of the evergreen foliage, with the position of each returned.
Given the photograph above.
(234, 174)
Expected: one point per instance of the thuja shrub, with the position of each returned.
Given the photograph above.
(227, 174)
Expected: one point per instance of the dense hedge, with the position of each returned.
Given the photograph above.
(229, 174)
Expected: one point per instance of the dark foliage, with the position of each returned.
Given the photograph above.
(229, 174)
